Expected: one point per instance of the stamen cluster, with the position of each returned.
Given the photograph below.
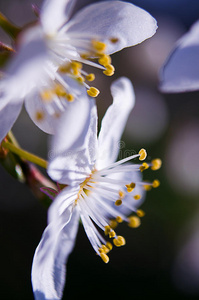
(101, 195)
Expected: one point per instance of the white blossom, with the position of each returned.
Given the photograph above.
(48, 69)
(180, 73)
(99, 191)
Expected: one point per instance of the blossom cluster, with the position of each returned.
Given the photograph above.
(47, 74)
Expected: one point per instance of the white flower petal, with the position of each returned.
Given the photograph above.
(73, 147)
(114, 122)
(73, 123)
(125, 21)
(46, 114)
(35, 108)
(54, 14)
(62, 206)
(181, 71)
(9, 111)
(51, 255)
(27, 68)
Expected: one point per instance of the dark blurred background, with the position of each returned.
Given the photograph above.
(161, 257)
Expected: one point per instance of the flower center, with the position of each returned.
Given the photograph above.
(57, 90)
(103, 193)
(92, 50)
(76, 51)
(83, 186)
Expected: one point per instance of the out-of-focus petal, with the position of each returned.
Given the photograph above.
(114, 19)
(38, 112)
(9, 111)
(73, 148)
(51, 255)
(181, 71)
(46, 114)
(54, 14)
(114, 122)
(27, 69)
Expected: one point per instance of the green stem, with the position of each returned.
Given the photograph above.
(25, 154)
(12, 139)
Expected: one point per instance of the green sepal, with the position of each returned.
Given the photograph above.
(11, 29)
(51, 193)
(5, 53)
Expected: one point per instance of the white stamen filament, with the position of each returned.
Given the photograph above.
(112, 211)
(108, 180)
(89, 228)
(85, 201)
(121, 161)
(103, 187)
(120, 169)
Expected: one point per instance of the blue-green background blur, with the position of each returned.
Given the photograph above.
(161, 257)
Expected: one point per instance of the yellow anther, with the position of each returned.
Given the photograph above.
(130, 187)
(137, 197)
(90, 77)
(147, 187)
(118, 202)
(121, 194)
(76, 65)
(99, 46)
(155, 183)
(93, 92)
(65, 68)
(156, 164)
(114, 40)
(76, 72)
(76, 68)
(119, 219)
(134, 222)
(104, 60)
(112, 234)
(104, 257)
(60, 91)
(119, 241)
(116, 243)
(46, 95)
(109, 70)
(70, 97)
(107, 230)
(101, 250)
(140, 213)
(85, 55)
(104, 249)
(144, 166)
(142, 154)
(80, 79)
(113, 224)
(109, 246)
(39, 115)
